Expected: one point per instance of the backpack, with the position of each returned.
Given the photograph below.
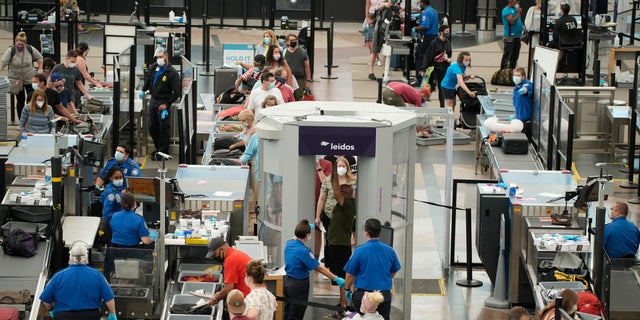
(93, 106)
(15, 297)
(20, 243)
(230, 97)
(589, 303)
(29, 48)
(503, 77)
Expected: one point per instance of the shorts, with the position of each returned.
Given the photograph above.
(390, 97)
(449, 93)
(336, 258)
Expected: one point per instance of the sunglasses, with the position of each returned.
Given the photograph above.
(59, 86)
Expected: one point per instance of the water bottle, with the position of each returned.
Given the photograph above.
(184, 17)
(172, 16)
(445, 21)
(23, 142)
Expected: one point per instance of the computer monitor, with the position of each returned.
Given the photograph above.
(92, 152)
(144, 189)
(584, 192)
(386, 234)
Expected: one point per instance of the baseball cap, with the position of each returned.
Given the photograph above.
(213, 245)
(55, 77)
(260, 59)
(235, 302)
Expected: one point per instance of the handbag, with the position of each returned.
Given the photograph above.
(440, 58)
(15, 86)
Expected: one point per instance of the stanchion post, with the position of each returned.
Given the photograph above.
(629, 184)
(379, 80)
(468, 282)
(205, 50)
(245, 13)
(329, 64)
(221, 14)
(205, 16)
(464, 20)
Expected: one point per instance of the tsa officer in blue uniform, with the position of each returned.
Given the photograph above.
(299, 261)
(129, 228)
(121, 159)
(77, 292)
(112, 194)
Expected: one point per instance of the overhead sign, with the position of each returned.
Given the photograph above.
(347, 141)
(232, 53)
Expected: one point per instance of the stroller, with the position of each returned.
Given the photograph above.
(470, 107)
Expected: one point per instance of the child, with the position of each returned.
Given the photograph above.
(370, 302)
(235, 305)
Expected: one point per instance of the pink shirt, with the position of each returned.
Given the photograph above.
(287, 92)
(408, 93)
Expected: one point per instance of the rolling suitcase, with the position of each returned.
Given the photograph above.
(223, 78)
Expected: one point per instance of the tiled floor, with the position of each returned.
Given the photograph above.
(350, 55)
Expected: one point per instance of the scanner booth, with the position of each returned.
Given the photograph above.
(383, 140)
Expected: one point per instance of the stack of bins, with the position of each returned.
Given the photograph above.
(4, 89)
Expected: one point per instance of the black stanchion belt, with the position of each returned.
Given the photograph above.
(310, 303)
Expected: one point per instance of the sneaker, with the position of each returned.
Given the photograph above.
(372, 76)
(378, 63)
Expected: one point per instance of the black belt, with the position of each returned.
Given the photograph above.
(115, 245)
(365, 290)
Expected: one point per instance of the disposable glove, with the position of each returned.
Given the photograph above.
(312, 226)
(164, 114)
(112, 316)
(413, 30)
(51, 313)
(348, 295)
(340, 281)
(141, 95)
(512, 117)
(153, 235)
(522, 91)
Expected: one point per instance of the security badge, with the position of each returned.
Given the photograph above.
(124, 171)
(134, 172)
(164, 78)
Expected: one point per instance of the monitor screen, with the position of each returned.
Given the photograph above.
(584, 192)
(593, 196)
(143, 188)
(92, 152)
(386, 234)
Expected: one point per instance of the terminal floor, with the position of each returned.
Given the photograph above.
(452, 302)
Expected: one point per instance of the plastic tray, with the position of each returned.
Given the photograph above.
(573, 285)
(208, 287)
(182, 274)
(189, 317)
(189, 299)
(199, 267)
(586, 316)
(29, 227)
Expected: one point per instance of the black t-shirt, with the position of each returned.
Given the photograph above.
(53, 99)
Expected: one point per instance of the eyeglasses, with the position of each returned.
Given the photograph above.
(60, 86)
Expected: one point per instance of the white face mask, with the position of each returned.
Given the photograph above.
(40, 104)
(71, 65)
(276, 57)
(466, 63)
(517, 80)
(342, 171)
(160, 62)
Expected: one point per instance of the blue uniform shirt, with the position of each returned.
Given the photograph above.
(78, 287)
(128, 167)
(450, 79)
(251, 151)
(128, 227)
(372, 264)
(298, 260)
(621, 237)
(523, 103)
(429, 20)
(110, 199)
(513, 30)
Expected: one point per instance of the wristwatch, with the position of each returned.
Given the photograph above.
(310, 80)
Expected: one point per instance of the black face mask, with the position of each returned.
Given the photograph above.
(219, 258)
(293, 44)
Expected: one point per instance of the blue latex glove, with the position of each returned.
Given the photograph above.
(164, 114)
(313, 226)
(51, 313)
(141, 95)
(112, 316)
(340, 281)
(522, 91)
(511, 117)
(348, 296)
(502, 185)
(153, 235)
(413, 30)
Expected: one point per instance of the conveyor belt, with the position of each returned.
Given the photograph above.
(20, 273)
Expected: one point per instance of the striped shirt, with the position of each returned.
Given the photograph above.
(36, 122)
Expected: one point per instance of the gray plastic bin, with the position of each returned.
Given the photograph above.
(188, 317)
(573, 285)
(208, 287)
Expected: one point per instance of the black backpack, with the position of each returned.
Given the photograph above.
(20, 243)
(29, 48)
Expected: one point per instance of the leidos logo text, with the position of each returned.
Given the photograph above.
(338, 146)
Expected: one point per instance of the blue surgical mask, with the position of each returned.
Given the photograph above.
(517, 80)
(118, 183)
(267, 40)
(119, 156)
(272, 85)
(256, 69)
(34, 86)
(245, 125)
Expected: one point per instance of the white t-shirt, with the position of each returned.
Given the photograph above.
(263, 300)
(257, 97)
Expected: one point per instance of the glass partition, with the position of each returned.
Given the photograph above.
(271, 233)
(542, 112)
(399, 212)
(188, 143)
(538, 72)
(563, 136)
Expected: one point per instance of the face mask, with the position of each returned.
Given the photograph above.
(40, 104)
(272, 85)
(281, 79)
(119, 156)
(293, 44)
(118, 183)
(559, 14)
(256, 69)
(267, 40)
(160, 62)
(219, 258)
(71, 65)
(34, 86)
(19, 48)
(276, 57)
(466, 63)
(245, 125)
(517, 80)
(342, 171)
(517, 6)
